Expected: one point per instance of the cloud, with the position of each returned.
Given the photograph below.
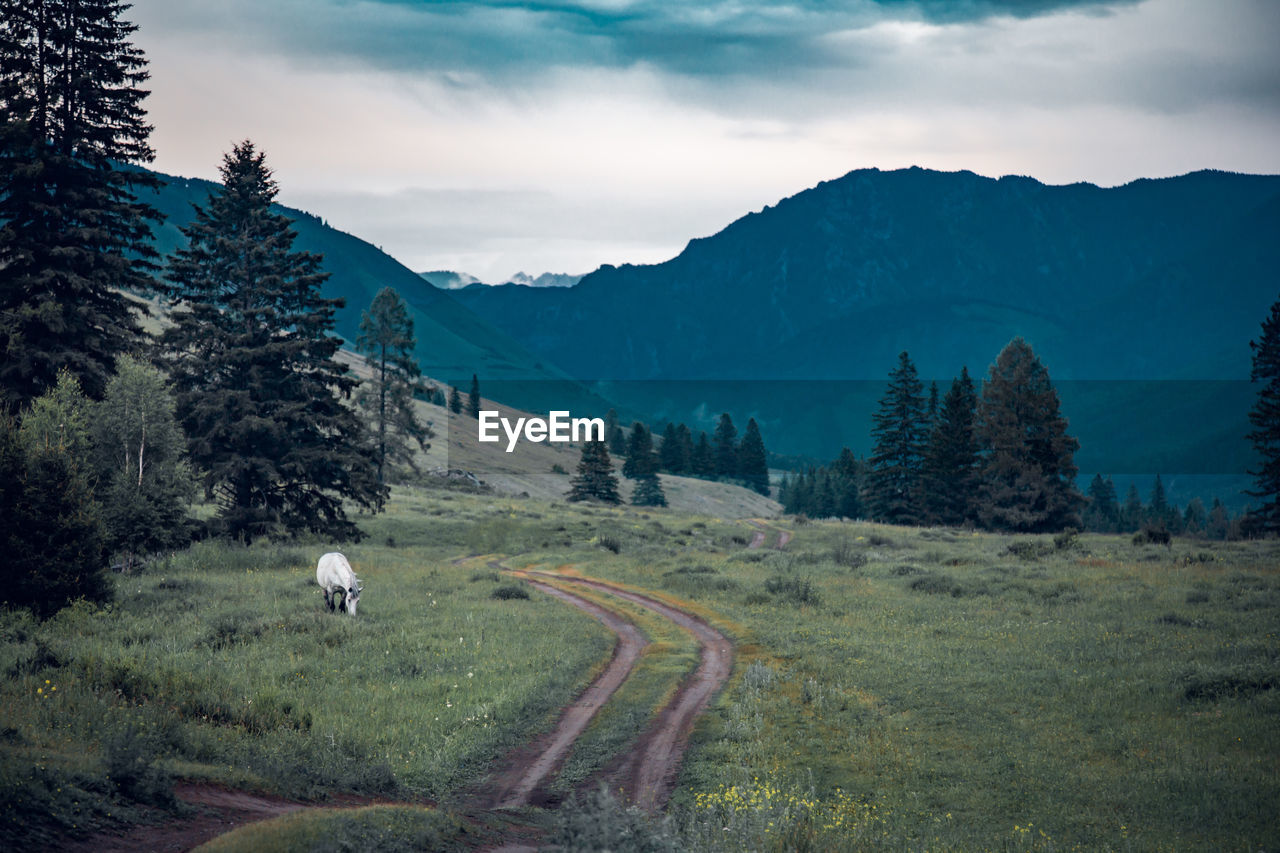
(506, 40)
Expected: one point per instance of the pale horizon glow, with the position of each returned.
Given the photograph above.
(490, 139)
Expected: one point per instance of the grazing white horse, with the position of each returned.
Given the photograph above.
(337, 578)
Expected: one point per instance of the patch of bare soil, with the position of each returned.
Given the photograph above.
(217, 810)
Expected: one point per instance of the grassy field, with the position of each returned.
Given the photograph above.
(895, 688)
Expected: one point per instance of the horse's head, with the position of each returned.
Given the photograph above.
(352, 597)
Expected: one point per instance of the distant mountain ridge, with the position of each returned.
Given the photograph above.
(1164, 278)
(450, 280)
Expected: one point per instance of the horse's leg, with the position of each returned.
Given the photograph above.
(328, 600)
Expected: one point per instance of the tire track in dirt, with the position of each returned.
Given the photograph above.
(757, 538)
(518, 784)
(646, 773)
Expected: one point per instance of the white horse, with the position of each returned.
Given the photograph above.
(337, 578)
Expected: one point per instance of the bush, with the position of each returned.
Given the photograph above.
(937, 583)
(794, 589)
(1153, 535)
(597, 821)
(847, 554)
(610, 543)
(131, 767)
(507, 592)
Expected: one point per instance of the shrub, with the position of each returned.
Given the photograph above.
(1153, 535)
(1030, 549)
(131, 767)
(794, 589)
(507, 592)
(597, 821)
(937, 583)
(610, 543)
(847, 554)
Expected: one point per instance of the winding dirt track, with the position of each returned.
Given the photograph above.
(529, 767)
(646, 774)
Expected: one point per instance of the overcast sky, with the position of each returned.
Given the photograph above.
(489, 137)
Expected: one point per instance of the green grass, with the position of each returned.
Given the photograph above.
(894, 688)
(383, 828)
(965, 687)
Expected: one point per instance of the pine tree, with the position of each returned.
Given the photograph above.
(1028, 469)
(823, 501)
(252, 358)
(648, 491)
(671, 454)
(948, 475)
(1265, 418)
(753, 467)
(641, 461)
(726, 446)
(144, 482)
(846, 482)
(613, 434)
(72, 231)
(1131, 514)
(899, 430)
(55, 546)
(455, 401)
(1218, 527)
(1102, 514)
(595, 480)
(1195, 518)
(473, 398)
(386, 338)
(1159, 512)
(704, 458)
(684, 441)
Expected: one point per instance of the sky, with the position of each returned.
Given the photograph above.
(491, 137)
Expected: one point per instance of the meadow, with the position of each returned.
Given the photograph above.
(894, 688)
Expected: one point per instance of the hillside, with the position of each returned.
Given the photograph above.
(453, 342)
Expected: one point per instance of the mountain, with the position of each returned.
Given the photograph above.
(453, 342)
(449, 280)
(1159, 280)
(834, 282)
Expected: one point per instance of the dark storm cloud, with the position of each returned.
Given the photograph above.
(500, 40)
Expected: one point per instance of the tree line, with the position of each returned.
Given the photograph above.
(724, 458)
(107, 433)
(1001, 458)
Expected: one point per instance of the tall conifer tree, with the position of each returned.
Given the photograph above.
(386, 338)
(1102, 515)
(73, 233)
(726, 446)
(949, 469)
(595, 480)
(252, 358)
(846, 480)
(753, 467)
(1265, 418)
(641, 461)
(1028, 468)
(899, 430)
(473, 398)
(704, 457)
(672, 454)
